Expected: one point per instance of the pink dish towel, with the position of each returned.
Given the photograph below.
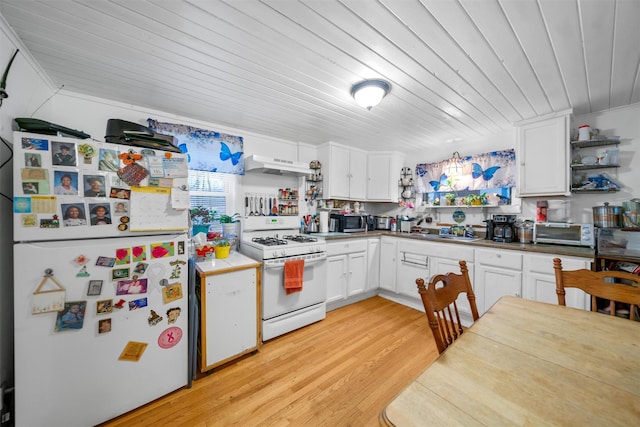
(293, 275)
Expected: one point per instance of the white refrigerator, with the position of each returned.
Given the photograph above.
(100, 278)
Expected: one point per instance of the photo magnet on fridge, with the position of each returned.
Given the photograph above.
(71, 317)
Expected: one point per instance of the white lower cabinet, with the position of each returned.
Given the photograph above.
(497, 273)
(447, 265)
(388, 253)
(346, 269)
(373, 264)
(540, 281)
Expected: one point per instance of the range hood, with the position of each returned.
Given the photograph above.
(270, 165)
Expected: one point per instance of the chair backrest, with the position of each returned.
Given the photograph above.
(439, 301)
(599, 284)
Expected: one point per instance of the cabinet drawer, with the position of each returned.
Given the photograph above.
(346, 247)
(503, 259)
(455, 252)
(544, 263)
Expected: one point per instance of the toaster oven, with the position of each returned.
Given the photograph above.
(561, 233)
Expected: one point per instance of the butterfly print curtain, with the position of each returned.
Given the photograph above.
(496, 169)
(206, 150)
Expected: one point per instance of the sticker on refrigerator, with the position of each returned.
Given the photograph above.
(133, 351)
(50, 222)
(34, 181)
(104, 326)
(35, 144)
(138, 303)
(104, 261)
(161, 250)
(154, 318)
(100, 213)
(32, 160)
(104, 306)
(133, 286)
(88, 152)
(49, 295)
(172, 314)
(65, 183)
(139, 253)
(94, 288)
(119, 273)
(109, 161)
(123, 256)
(22, 204)
(172, 293)
(170, 337)
(63, 153)
(73, 215)
(71, 317)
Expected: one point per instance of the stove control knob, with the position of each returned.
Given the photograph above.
(283, 253)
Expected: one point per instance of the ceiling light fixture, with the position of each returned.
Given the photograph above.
(454, 168)
(369, 93)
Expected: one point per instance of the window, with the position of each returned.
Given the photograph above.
(213, 190)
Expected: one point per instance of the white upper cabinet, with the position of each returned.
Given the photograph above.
(542, 154)
(344, 171)
(383, 173)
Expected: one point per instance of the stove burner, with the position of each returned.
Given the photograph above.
(269, 241)
(300, 238)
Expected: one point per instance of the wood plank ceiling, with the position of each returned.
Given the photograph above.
(459, 69)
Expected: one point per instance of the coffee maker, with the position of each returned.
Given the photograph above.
(504, 228)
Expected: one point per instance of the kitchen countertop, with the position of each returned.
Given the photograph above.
(235, 261)
(576, 251)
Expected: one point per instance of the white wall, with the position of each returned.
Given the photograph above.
(624, 122)
(27, 89)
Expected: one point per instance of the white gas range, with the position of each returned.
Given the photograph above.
(274, 240)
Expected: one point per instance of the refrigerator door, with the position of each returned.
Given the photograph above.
(67, 188)
(119, 341)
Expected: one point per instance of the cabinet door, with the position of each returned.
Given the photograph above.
(493, 283)
(357, 175)
(373, 264)
(231, 315)
(444, 266)
(383, 173)
(336, 277)
(543, 157)
(339, 178)
(539, 282)
(388, 247)
(356, 273)
(410, 267)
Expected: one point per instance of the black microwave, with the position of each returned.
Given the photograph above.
(348, 223)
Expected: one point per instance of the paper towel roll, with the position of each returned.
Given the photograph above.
(324, 222)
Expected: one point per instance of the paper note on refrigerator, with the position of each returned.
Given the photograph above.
(151, 209)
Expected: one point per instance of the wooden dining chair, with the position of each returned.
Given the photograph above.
(599, 284)
(439, 301)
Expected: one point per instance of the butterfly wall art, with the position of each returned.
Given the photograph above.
(206, 150)
(496, 169)
(225, 154)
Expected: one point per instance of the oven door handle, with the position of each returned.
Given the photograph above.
(280, 265)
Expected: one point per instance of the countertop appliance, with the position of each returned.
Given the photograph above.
(274, 241)
(101, 281)
(561, 233)
(383, 222)
(349, 223)
(504, 228)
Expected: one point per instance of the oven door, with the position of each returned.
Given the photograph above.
(276, 302)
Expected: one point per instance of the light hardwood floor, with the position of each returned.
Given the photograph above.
(341, 371)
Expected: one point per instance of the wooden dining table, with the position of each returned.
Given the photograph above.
(528, 363)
